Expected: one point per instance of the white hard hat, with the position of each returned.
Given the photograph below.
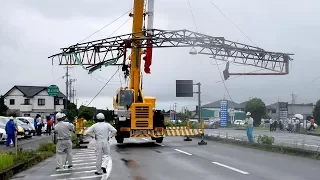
(248, 114)
(100, 116)
(59, 115)
(11, 117)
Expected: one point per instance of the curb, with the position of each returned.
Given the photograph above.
(265, 147)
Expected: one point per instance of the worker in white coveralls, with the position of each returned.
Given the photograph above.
(64, 132)
(101, 131)
(249, 122)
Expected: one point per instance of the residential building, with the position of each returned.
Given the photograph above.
(303, 109)
(32, 100)
(235, 110)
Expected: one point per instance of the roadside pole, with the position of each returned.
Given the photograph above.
(16, 142)
(53, 91)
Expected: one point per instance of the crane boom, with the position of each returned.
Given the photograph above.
(135, 66)
(101, 52)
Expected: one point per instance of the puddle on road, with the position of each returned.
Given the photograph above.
(131, 164)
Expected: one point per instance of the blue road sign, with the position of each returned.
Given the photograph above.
(223, 113)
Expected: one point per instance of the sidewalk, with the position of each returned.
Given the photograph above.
(84, 161)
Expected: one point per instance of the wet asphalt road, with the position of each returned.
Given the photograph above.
(142, 159)
(281, 137)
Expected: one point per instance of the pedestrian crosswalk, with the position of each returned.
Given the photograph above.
(84, 166)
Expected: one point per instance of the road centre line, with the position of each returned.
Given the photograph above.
(183, 152)
(229, 167)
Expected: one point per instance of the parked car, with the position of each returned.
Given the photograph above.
(20, 131)
(26, 128)
(3, 134)
(239, 122)
(29, 121)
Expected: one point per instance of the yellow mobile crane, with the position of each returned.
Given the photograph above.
(135, 113)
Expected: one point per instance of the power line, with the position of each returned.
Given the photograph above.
(225, 86)
(214, 59)
(106, 26)
(194, 21)
(232, 22)
(104, 86)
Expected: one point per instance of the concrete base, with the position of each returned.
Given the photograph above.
(202, 142)
(188, 139)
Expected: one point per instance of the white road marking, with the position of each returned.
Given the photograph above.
(86, 153)
(145, 139)
(83, 157)
(85, 167)
(84, 177)
(160, 144)
(232, 168)
(78, 172)
(82, 164)
(93, 159)
(109, 168)
(183, 152)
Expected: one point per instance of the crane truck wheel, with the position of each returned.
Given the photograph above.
(120, 139)
(159, 140)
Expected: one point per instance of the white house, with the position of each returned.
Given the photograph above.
(33, 100)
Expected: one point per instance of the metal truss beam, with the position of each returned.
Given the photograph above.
(104, 51)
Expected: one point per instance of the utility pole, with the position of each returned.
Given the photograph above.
(71, 90)
(293, 101)
(67, 88)
(73, 95)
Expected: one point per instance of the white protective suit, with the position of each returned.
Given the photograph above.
(64, 146)
(102, 131)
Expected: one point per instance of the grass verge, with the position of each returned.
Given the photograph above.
(265, 147)
(11, 163)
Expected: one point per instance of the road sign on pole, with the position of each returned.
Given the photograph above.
(184, 88)
(223, 113)
(53, 90)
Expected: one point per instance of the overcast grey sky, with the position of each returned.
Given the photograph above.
(33, 30)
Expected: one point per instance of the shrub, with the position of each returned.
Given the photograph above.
(269, 140)
(88, 123)
(48, 147)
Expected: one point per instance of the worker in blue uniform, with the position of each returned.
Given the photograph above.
(11, 132)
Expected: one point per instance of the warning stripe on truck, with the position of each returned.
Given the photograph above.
(170, 132)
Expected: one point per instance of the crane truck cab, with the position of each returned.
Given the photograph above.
(138, 119)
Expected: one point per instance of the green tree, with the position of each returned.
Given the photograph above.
(316, 112)
(72, 111)
(86, 112)
(3, 107)
(257, 108)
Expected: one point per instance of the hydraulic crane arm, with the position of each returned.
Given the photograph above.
(102, 51)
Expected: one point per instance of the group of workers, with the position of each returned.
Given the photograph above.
(101, 131)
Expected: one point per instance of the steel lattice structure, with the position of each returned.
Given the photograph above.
(96, 53)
